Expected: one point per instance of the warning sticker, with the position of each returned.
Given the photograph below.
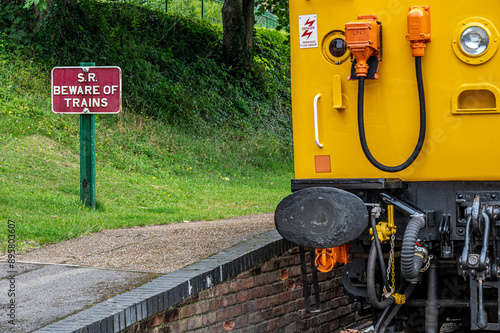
(308, 31)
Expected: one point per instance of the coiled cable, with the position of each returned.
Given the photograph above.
(421, 136)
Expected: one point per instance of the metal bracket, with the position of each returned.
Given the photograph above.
(447, 249)
(303, 266)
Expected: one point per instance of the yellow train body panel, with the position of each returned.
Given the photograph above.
(462, 94)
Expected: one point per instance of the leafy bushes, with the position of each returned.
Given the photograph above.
(171, 65)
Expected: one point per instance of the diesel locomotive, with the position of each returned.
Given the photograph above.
(397, 156)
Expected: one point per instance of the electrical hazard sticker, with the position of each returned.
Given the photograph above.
(308, 31)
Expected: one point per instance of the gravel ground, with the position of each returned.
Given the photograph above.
(159, 248)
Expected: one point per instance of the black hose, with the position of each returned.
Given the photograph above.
(378, 245)
(431, 305)
(421, 136)
(411, 263)
(371, 291)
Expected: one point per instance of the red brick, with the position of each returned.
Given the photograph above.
(254, 293)
(271, 289)
(334, 325)
(244, 275)
(188, 311)
(235, 311)
(266, 290)
(222, 314)
(270, 265)
(261, 303)
(335, 303)
(326, 316)
(273, 300)
(215, 304)
(273, 324)
(242, 297)
(328, 284)
(159, 320)
(267, 313)
(221, 289)
(255, 318)
(300, 303)
(209, 319)
(195, 322)
(229, 300)
(202, 307)
(207, 294)
(249, 306)
(292, 328)
(180, 326)
(297, 293)
(242, 321)
(312, 322)
(343, 321)
(288, 261)
(260, 280)
(278, 311)
(295, 271)
(285, 297)
(235, 286)
(290, 307)
(248, 283)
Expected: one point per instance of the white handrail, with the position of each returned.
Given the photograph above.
(316, 135)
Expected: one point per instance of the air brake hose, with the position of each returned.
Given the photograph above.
(421, 136)
(410, 262)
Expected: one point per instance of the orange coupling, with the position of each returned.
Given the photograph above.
(419, 29)
(363, 40)
(327, 258)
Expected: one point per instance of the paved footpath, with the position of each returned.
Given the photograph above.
(58, 280)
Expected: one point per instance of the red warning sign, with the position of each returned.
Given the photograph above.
(86, 90)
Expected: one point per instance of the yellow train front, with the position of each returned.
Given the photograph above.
(396, 126)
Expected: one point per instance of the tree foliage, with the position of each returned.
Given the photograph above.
(41, 4)
(278, 8)
(171, 65)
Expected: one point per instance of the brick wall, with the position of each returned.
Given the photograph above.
(265, 298)
(254, 286)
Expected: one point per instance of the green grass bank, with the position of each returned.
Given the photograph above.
(195, 140)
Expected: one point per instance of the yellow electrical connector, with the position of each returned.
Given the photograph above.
(386, 229)
(399, 299)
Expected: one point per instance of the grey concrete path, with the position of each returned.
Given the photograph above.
(45, 293)
(58, 280)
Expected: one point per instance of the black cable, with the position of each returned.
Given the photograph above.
(380, 254)
(421, 136)
(371, 289)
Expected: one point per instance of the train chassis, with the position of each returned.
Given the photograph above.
(434, 260)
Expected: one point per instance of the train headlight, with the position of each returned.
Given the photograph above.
(475, 40)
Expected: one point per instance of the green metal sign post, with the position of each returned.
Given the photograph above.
(87, 156)
(87, 90)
